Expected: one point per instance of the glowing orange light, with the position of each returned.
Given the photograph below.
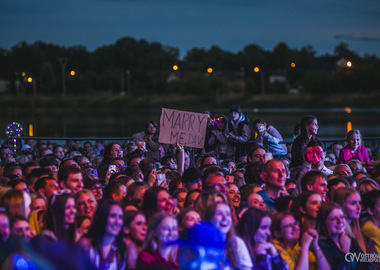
(347, 110)
(209, 70)
(30, 130)
(175, 67)
(72, 73)
(255, 110)
(293, 65)
(349, 126)
(30, 79)
(256, 69)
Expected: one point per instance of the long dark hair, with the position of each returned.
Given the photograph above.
(55, 219)
(324, 211)
(305, 122)
(150, 201)
(98, 229)
(248, 226)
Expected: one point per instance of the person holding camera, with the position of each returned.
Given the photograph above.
(269, 138)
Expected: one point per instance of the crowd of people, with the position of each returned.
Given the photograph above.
(245, 201)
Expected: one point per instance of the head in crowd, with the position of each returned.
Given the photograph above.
(5, 229)
(157, 199)
(192, 179)
(213, 179)
(342, 170)
(331, 222)
(169, 161)
(108, 224)
(135, 227)
(39, 202)
(96, 188)
(353, 139)
(49, 162)
(61, 215)
(46, 186)
(315, 181)
(115, 190)
(219, 214)
(309, 127)
(14, 201)
(162, 230)
(192, 197)
(174, 184)
(253, 172)
(255, 200)
(235, 113)
(350, 202)
(180, 195)
(257, 154)
(285, 228)
(305, 208)
(234, 195)
(371, 203)
(86, 203)
(274, 175)
(208, 160)
(151, 128)
(254, 228)
(20, 227)
(135, 192)
(367, 184)
(70, 177)
(187, 219)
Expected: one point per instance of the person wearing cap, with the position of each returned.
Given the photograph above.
(238, 131)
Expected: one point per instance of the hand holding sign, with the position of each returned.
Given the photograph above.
(184, 128)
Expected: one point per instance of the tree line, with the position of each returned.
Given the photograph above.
(138, 67)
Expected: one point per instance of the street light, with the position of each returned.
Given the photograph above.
(175, 67)
(292, 64)
(72, 73)
(209, 70)
(349, 64)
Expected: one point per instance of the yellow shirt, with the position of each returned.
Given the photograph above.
(291, 255)
(372, 232)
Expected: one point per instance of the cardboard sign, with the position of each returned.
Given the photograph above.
(186, 128)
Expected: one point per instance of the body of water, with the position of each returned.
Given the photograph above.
(123, 123)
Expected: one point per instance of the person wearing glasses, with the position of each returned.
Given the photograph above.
(257, 154)
(298, 252)
(333, 240)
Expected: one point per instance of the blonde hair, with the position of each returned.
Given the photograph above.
(353, 230)
(151, 240)
(14, 202)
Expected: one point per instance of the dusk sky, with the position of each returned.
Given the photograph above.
(186, 24)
